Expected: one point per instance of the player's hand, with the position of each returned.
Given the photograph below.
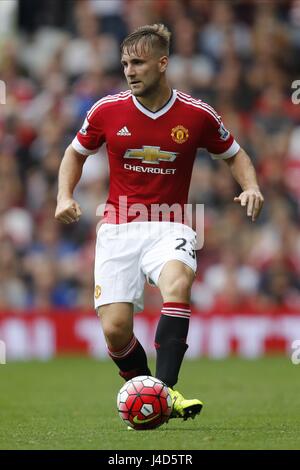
(253, 199)
(67, 211)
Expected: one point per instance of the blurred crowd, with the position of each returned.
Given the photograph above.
(58, 58)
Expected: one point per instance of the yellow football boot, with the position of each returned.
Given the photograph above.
(183, 408)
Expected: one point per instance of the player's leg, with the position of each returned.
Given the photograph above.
(123, 347)
(175, 282)
(118, 288)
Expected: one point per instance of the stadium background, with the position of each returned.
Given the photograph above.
(56, 59)
(240, 56)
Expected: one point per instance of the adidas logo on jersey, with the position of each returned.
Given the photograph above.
(124, 131)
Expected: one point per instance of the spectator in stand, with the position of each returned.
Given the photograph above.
(191, 71)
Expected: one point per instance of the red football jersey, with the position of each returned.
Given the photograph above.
(151, 154)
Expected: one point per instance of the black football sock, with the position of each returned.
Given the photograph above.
(131, 360)
(170, 341)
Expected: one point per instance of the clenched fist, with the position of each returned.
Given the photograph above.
(67, 211)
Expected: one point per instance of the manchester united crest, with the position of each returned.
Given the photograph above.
(97, 291)
(180, 134)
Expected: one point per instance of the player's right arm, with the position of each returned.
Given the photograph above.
(67, 209)
(87, 142)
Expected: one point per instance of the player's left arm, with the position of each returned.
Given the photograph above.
(244, 173)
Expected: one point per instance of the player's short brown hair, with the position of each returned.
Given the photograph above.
(154, 36)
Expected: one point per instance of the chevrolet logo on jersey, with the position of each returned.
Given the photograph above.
(151, 155)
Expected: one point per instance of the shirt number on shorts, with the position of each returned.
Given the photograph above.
(181, 246)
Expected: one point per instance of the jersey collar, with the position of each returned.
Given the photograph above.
(161, 111)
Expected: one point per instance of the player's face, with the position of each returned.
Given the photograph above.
(142, 71)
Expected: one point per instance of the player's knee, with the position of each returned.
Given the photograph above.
(117, 332)
(113, 329)
(179, 287)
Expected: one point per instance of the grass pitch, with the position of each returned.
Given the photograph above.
(70, 403)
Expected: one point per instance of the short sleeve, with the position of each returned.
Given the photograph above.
(218, 141)
(90, 137)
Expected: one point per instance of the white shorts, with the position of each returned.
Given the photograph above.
(129, 254)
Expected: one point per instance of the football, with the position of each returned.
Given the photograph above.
(144, 402)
